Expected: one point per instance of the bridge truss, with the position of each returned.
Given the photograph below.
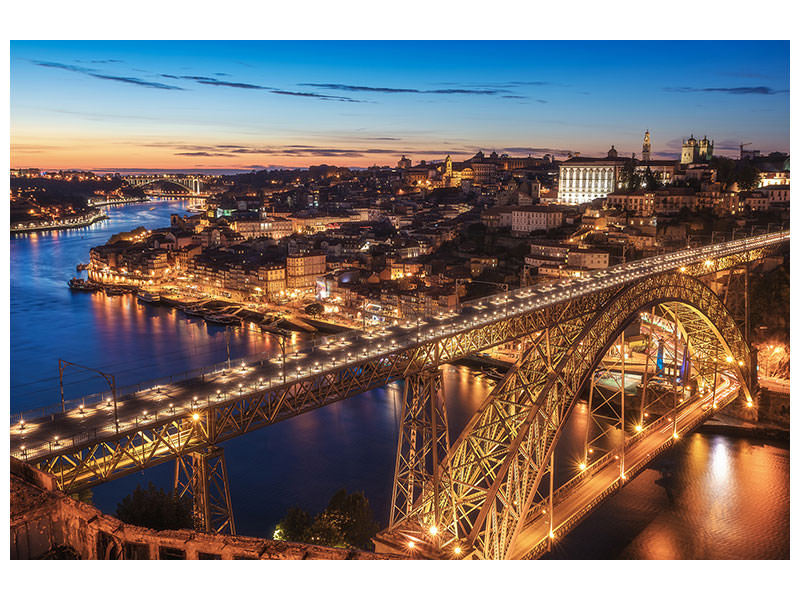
(494, 473)
(474, 493)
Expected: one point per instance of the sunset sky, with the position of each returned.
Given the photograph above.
(243, 105)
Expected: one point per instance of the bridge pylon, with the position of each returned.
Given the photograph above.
(422, 446)
(204, 475)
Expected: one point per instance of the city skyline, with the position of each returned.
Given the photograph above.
(198, 106)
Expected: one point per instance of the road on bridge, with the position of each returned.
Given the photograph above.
(594, 485)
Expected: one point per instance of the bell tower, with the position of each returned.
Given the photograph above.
(646, 147)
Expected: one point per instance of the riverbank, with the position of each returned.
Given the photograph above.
(735, 427)
(57, 225)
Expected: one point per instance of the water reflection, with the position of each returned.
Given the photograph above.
(730, 497)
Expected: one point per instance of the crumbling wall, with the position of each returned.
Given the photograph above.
(43, 520)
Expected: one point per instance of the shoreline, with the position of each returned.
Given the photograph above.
(768, 433)
(57, 227)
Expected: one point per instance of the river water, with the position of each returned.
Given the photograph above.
(728, 497)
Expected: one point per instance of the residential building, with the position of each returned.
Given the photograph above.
(302, 270)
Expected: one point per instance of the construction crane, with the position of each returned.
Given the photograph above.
(741, 149)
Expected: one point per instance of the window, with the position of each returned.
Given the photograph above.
(167, 553)
(135, 551)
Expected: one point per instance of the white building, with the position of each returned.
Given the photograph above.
(525, 219)
(584, 179)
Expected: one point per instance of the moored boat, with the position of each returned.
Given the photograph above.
(76, 283)
(146, 296)
(222, 319)
(195, 311)
(114, 291)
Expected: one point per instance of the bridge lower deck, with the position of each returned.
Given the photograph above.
(573, 502)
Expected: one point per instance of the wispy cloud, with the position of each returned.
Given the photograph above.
(97, 75)
(743, 90)
(532, 150)
(222, 83)
(202, 154)
(293, 150)
(100, 62)
(213, 81)
(389, 90)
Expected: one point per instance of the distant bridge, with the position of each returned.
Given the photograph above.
(490, 494)
(191, 183)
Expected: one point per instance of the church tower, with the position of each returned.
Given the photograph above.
(646, 147)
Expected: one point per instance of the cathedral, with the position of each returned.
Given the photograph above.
(694, 151)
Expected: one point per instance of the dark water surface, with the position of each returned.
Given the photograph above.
(729, 497)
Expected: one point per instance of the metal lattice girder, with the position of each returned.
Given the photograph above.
(423, 442)
(203, 474)
(496, 465)
(101, 453)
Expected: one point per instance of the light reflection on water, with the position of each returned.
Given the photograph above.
(730, 496)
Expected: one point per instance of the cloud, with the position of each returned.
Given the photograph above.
(387, 90)
(531, 150)
(213, 81)
(219, 82)
(759, 90)
(100, 62)
(529, 83)
(293, 150)
(97, 75)
(202, 154)
(313, 95)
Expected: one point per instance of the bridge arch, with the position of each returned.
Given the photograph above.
(492, 473)
(190, 184)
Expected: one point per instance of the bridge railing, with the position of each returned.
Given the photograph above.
(501, 302)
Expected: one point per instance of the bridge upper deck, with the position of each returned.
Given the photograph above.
(344, 365)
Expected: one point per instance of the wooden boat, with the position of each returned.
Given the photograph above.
(81, 285)
(223, 319)
(146, 296)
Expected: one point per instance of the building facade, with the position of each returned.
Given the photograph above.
(584, 179)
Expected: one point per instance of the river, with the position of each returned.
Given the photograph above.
(729, 497)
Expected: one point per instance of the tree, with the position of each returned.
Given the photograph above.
(354, 516)
(746, 176)
(628, 176)
(155, 509)
(294, 526)
(347, 522)
(651, 181)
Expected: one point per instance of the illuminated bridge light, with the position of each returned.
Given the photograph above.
(582, 466)
(729, 359)
(195, 417)
(457, 550)
(638, 427)
(433, 530)
(411, 544)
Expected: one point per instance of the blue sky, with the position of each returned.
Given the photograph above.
(201, 105)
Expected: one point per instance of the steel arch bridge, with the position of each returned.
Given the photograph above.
(480, 497)
(489, 484)
(190, 183)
